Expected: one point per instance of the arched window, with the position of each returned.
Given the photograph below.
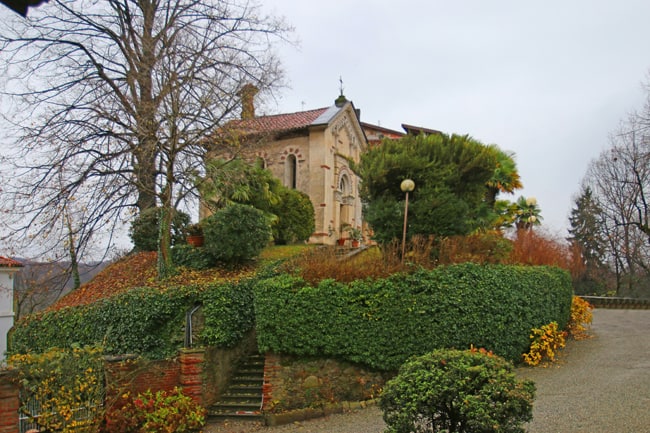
(345, 186)
(290, 171)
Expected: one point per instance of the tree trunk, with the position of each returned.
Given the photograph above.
(72, 250)
(165, 265)
(145, 177)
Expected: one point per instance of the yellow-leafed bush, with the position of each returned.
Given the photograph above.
(62, 382)
(547, 340)
(581, 317)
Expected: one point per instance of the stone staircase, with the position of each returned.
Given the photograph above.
(243, 398)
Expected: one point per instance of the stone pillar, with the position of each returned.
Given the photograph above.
(192, 371)
(9, 402)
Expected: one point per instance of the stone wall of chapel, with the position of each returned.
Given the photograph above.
(275, 155)
(330, 150)
(319, 187)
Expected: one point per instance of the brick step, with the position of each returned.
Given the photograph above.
(250, 370)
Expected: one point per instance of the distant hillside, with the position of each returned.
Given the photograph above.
(134, 270)
(40, 284)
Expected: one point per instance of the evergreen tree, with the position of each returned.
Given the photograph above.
(586, 231)
(586, 222)
(451, 173)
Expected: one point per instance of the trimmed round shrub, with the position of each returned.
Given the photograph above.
(295, 213)
(144, 229)
(457, 391)
(236, 233)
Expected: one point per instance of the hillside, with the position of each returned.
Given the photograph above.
(139, 270)
(134, 270)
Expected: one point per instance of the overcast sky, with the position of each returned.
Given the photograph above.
(548, 81)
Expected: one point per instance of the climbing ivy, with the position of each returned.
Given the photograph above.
(145, 321)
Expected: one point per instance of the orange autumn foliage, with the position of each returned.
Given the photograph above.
(536, 249)
(139, 270)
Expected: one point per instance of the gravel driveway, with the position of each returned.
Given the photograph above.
(599, 385)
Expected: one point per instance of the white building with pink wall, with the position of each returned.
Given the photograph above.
(8, 269)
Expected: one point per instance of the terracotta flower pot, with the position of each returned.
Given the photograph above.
(195, 241)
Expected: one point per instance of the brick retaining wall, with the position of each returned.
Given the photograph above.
(9, 402)
(200, 373)
(292, 383)
(136, 375)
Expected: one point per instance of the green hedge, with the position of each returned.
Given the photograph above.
(144, 321)
(382, 323)
(229, 313)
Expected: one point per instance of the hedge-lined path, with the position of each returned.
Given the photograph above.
(599, 385)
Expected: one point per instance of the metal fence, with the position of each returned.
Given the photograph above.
(30, 412)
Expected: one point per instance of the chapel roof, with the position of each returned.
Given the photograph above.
(280, 122)
(6, 262)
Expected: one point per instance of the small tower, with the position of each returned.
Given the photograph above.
(341, 100)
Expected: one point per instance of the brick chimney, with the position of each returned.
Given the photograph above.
(247, 95)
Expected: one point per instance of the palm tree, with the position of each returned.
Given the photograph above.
(528, 213)
(505, 177)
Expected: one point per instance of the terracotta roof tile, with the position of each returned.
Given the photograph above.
(9, 263)
(277, 123)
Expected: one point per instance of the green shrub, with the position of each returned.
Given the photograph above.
(191, 257)
(457, 391)
(295, 213)
(382, 323)
(143, 321)
(236, 233)
(144, 229)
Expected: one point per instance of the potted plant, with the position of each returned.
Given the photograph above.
(194, 235)
(344, 228)
(356, 235)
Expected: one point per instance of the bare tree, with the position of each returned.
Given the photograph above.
(117, 99)
(620, 181)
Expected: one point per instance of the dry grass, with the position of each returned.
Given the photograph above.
(527, 248)
(374, 262)
(484, 247)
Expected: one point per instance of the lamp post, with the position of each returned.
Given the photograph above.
(406, 186)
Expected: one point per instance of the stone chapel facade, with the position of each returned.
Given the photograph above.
(309, 151)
